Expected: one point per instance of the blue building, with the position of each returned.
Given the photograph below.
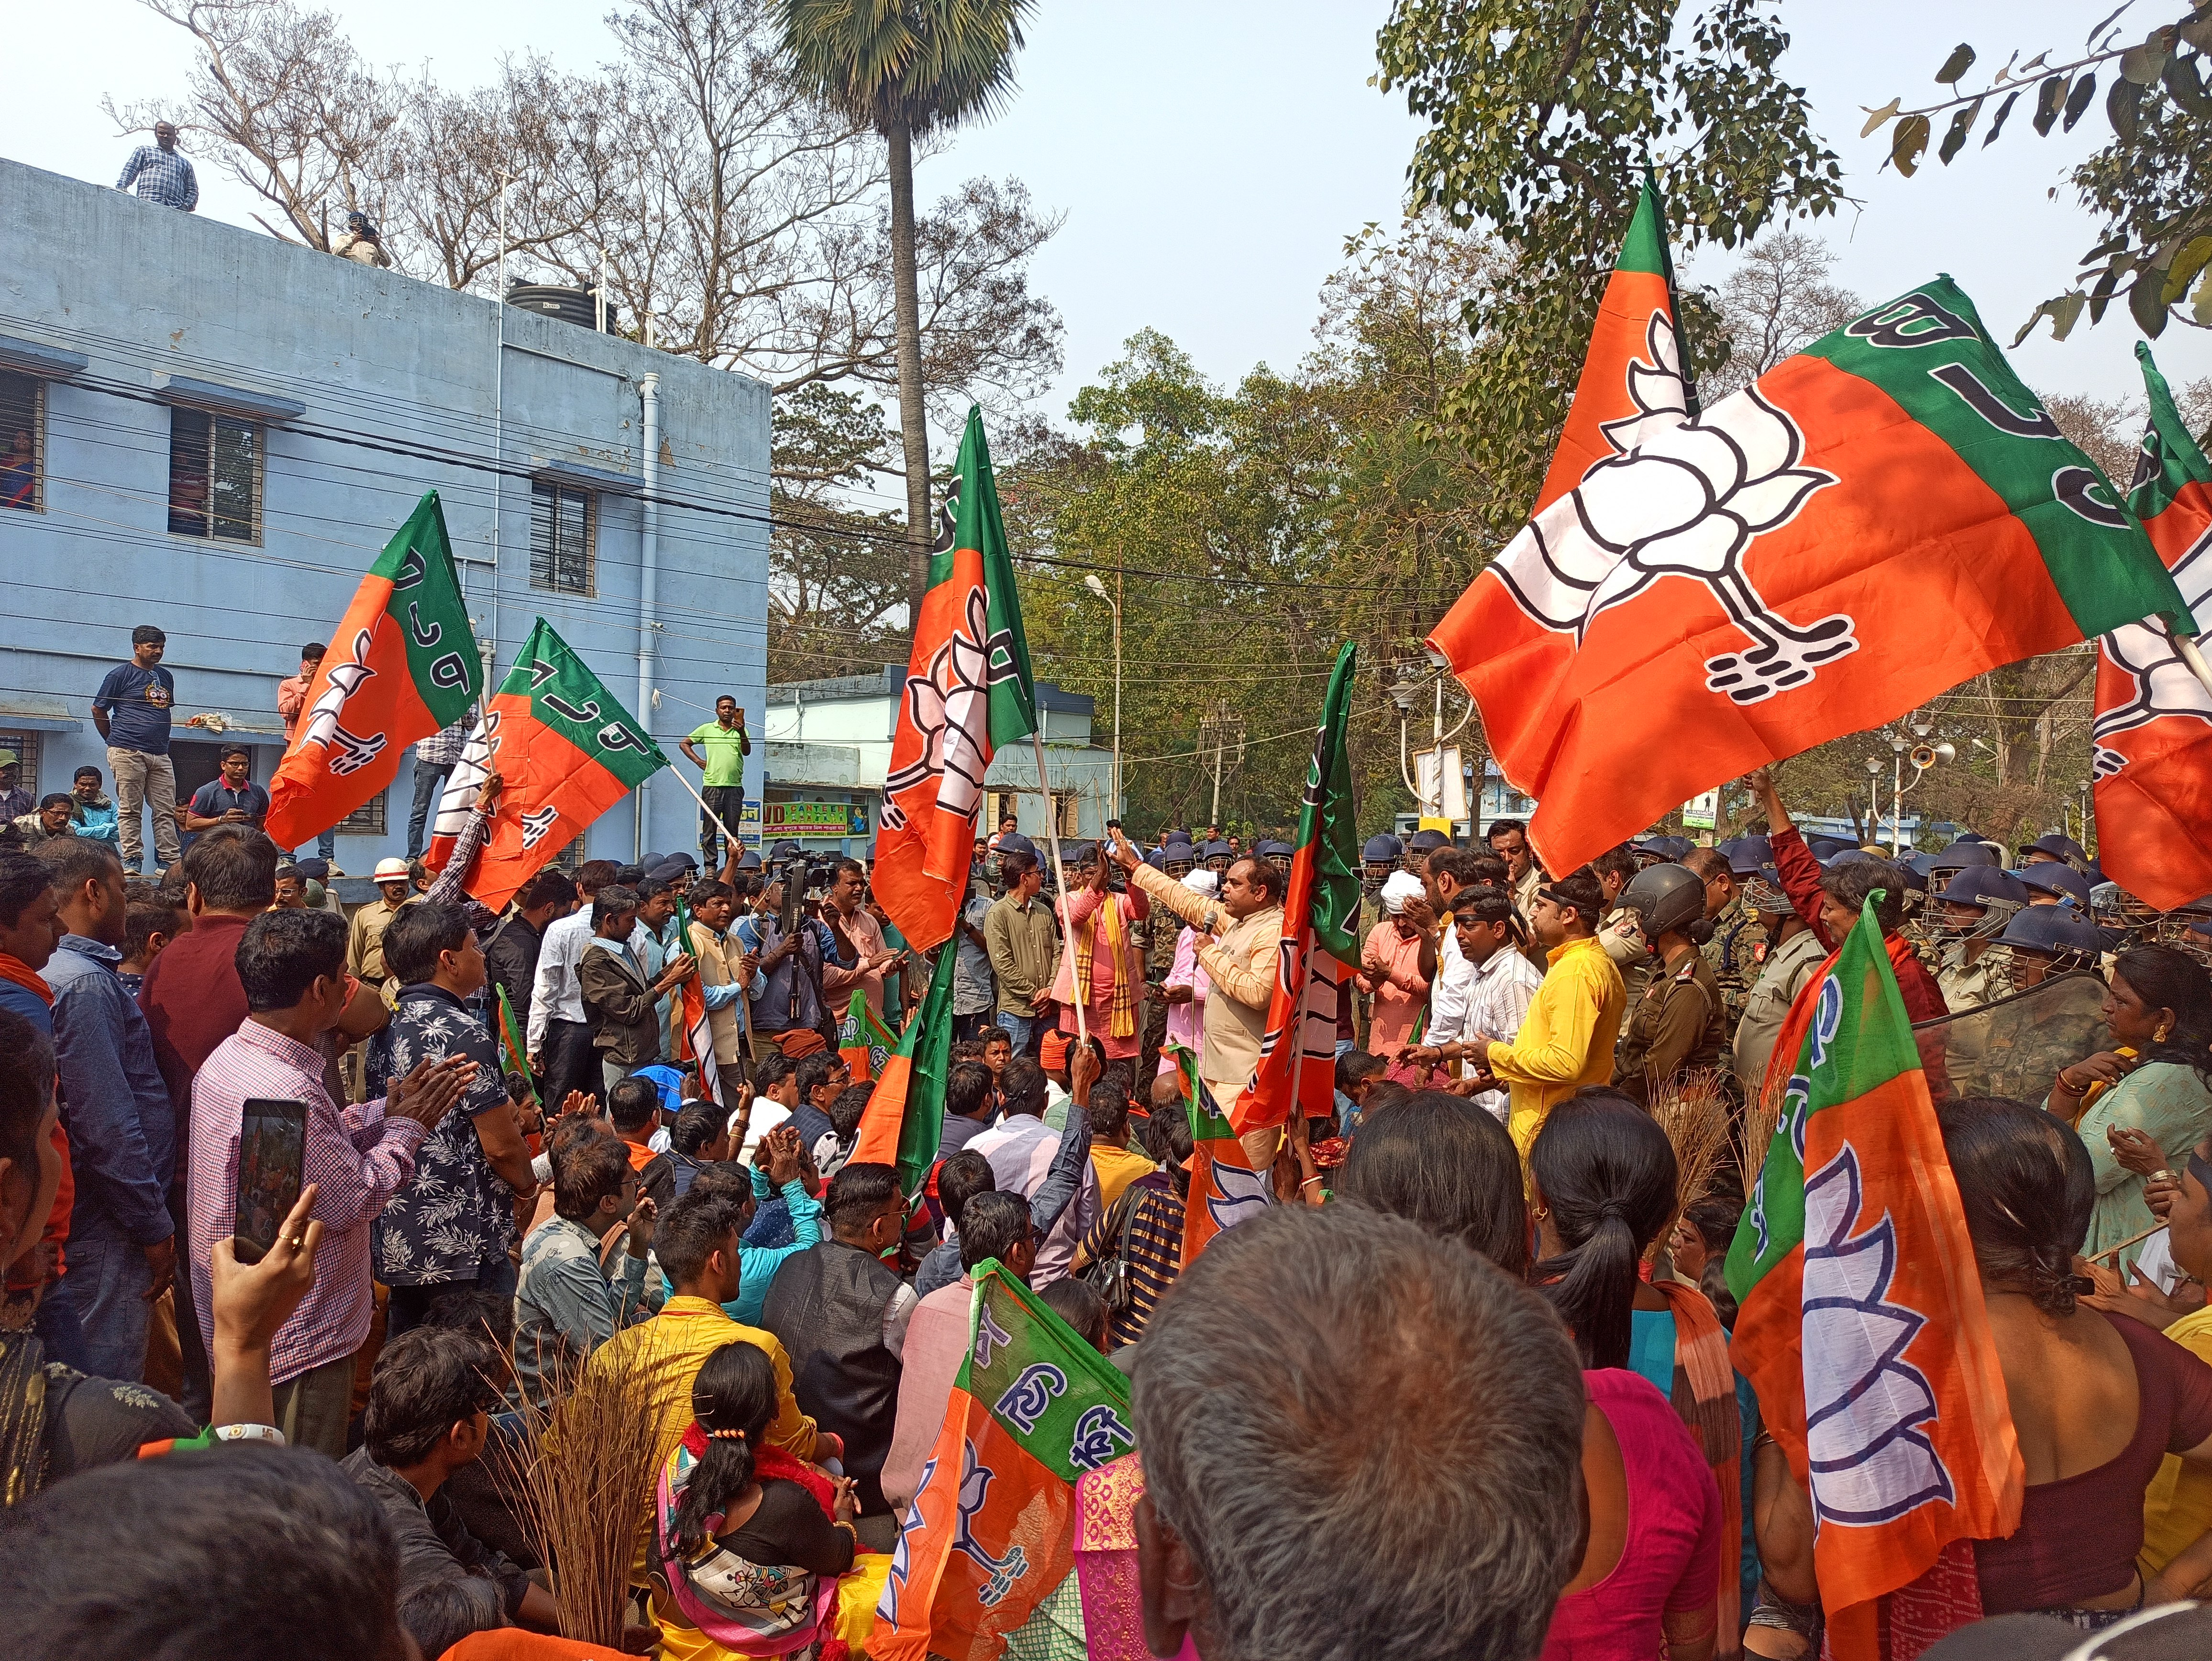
(216, 432)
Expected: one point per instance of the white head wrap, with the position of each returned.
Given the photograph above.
(1207, 883)
(1398, 887)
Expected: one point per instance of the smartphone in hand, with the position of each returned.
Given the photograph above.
(272, 1158)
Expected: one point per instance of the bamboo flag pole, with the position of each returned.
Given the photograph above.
(1060, 884)
(2194, 657)
(2132, 1240)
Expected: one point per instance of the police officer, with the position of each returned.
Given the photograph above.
(1970, 914)
(1678, 1025)
(2028, 1042)
(2050, 882)
(1789, 956)
(1419, 846)
(1738, 947)
(2054, 849)
(1277, 853)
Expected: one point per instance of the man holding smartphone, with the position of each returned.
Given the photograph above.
(291, 965)
(722, 774)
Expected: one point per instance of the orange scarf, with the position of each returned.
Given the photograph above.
(1704, 1398)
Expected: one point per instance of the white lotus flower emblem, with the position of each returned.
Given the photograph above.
(1235, 1195)
(1655, 388)
(951, 708)
(2162, 684)
(1869, 1460)
(1688, 501)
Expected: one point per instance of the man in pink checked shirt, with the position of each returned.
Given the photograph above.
(291, 965)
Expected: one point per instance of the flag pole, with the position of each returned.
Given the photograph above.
(1060, 887)
(2186, 646)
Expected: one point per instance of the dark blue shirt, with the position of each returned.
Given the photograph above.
(215, 799)
(137, 703)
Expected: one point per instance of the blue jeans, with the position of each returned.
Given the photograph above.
(410, 1306)
(1020, 1028)
(57, 1325)
(107, 1281)
(429, 783)
(326, 846)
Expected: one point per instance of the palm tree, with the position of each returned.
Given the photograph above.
(906, 67)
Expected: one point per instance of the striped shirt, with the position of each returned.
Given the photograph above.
(1155, 1252)
(354, 1155)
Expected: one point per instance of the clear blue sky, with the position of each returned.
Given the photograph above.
(1212, 157)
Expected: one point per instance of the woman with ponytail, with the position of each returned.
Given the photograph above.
(1662, 1441)
(754, 1552)
(2098, 1402)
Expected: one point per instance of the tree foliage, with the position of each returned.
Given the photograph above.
(1540, 115)
(2146, 185)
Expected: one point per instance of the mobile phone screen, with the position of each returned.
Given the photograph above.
(273, 1157)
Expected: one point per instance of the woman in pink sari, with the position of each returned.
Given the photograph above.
(1102, 955)
(1187, 1013)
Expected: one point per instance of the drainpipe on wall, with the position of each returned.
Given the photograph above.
(648, 389)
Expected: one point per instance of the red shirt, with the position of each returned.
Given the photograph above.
(193, 1001)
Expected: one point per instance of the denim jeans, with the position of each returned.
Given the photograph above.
(429, 783)
(410, 1306)
(1020, 1028)
(107, 1282)
(57, 1325)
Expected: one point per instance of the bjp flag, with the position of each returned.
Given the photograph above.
(1862, 1324)
(402, 664)
(2152, 736)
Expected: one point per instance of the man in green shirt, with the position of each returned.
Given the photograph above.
(724, 766)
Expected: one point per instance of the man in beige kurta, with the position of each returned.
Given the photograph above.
(1246, 926)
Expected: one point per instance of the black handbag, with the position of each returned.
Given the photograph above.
(1109, 1276)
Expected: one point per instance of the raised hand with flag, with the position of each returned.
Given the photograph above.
(991, 1533)
(1873, 521)
(904, 1121)
(566, 751)
(1862, 1324)
(1296, 1072)
(402, 666)
(968, 691)
(2151, 734)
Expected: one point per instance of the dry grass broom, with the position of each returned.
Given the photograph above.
(1692, 1108)
(583, 1475)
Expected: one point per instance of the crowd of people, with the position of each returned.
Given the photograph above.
(1476, 1349)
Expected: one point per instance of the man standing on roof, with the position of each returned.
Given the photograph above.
(722, 772)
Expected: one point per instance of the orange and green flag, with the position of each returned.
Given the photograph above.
(1862, 1324)
(1884, 515)
(566, 751)
(2151, 752)
(968, 691)
(1632, 385)
(990, 1534)
(903, 1123)
(1297, 1070)
(402, 664)
(1224, 1190)
(514, 1053)
(864, 1042)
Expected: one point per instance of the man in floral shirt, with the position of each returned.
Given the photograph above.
(453, 1225)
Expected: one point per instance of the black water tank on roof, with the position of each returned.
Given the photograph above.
(576, 306)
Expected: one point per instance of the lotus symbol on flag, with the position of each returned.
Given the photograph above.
(1688, 501)
(2162, 684)
(1868, 1458)
(1236, 1193)
(1655, 388)
(348, 752)
(951, 708)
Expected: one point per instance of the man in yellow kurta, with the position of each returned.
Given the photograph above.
(1566, 1039)
(696, 1241)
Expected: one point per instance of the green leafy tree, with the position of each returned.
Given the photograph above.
(2146, 185)
(1540, 112)
(908, 68)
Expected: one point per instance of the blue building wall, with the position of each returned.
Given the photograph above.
(402, 386)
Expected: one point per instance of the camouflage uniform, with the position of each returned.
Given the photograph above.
(1162, 929)
(1736, 952)
(1676, 1026)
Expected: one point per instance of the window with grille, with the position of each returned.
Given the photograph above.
(561, 523)
(26, 747)
(214, 477)
(22, 442)
(365, 820)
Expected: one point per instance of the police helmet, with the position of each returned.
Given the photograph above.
(2056, 936)
(2061, 880)
(1382, 849)
(1670, 898)
(1962, 854)
(1746, 854)
(1996, 890)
